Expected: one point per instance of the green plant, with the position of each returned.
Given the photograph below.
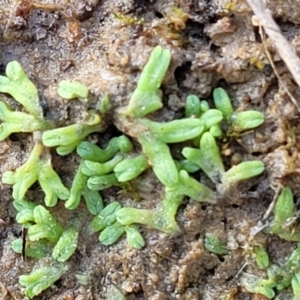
(41, 279)
(278, 277)
(46, 238)
(37, 168)
(261, 256)
(284, 218)
(118, 164)
(214, 244)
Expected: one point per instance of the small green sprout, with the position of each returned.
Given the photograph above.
(246, 120)
(37, 168)
(46, 229)
(160, 159)
(146, 98)
(243, 171)
(131, 168)
(78, 186)
(112, 230)
(89, 151)
(71, 90)
(93, 201)
(21, 89)
(41, 279)
(216, 131)
(64, 150)
(240, 121)
(25, 212)
(189, 166)
(256, 285)
(124, 144)
(151, 218)
(69, 137)
(46, 226)
(284, 207)
(66, 244)
(283, 217)
(165, 220)
(208, 157)
(91, 168)
(214, 244)
(16, 121)
(204, 107)
(134, 237)
(288, 235)
(279, 278)
(162, 218)
(105, 218)
(261, 256)
(188, 186)
(210, 118)
(99, 183)
(111, 234)
(192, 106)
(175, 131)
(78, 189)
(223, 103)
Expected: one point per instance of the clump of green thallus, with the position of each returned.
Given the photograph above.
(116, 165)
(287, 274)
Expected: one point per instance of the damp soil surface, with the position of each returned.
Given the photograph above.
(104, 45)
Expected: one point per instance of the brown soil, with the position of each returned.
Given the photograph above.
(104, 45)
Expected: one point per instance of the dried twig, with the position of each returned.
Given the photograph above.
(285, 51)
(295, 102)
